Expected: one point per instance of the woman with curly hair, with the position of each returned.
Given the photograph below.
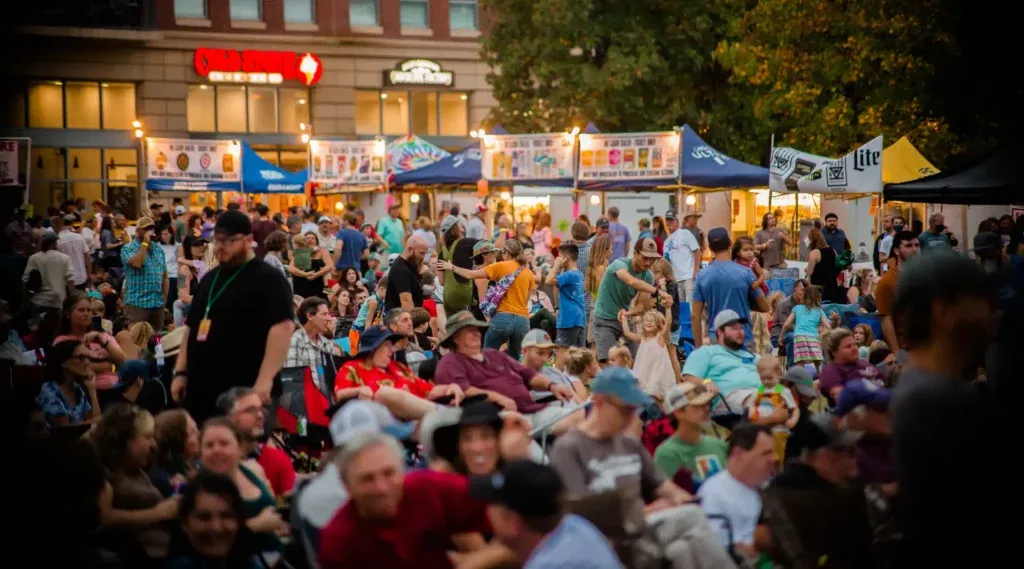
(131, 505)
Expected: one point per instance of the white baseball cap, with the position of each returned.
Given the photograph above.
(357, 417)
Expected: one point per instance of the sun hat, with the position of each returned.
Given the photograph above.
(373, 337)
(457, 322)
(448, 222)
(483, 247)
(144, 222)
(171, 341)
(686, 394)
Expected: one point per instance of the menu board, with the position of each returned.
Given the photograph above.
(351, 162)
(638, 156)
(195, 165)
(518, 157)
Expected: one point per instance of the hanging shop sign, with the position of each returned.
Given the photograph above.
(637, 156)
(193, 165)
(518, 157)
(419, 72)
(254, 66)
(858, 172)
(8, 162)
(350, 162)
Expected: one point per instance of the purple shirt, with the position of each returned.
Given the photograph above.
(619, 235)
(497, 372)
(836, 375)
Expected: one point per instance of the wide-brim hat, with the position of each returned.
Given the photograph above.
(457, 322)
(171, 342)
(373, 337)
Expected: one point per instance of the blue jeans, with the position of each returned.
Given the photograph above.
(788, 339)
(507, 327)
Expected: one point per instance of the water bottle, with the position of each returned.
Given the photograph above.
(302, 427)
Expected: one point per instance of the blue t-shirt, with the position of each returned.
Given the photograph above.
(805, 321)
(728, 369)
(619, 234)
(571, 313)
(353, 245)
(726, 285)
(574, 544)
(931, 240)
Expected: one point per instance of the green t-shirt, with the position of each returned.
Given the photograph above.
(392, 231)
(614, 295)
(703, 459)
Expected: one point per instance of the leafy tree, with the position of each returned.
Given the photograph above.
(626, 66)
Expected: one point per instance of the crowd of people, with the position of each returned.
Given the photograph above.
(239, 389)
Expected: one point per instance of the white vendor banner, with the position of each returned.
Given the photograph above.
(193, 165)
(520, 157)
(630, 156)
(8, 162)
(858, 172)
(347, 162)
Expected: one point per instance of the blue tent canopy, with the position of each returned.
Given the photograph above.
(463, 167)
(262, 177)
(705, 167)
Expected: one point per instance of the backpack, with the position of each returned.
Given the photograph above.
(489, 305)
(844, 259)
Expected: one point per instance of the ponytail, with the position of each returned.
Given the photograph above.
(514, 251)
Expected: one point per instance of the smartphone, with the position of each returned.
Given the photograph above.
(97, 324)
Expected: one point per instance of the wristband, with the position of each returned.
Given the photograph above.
(181, 373)
(145, 244)
(706, 381)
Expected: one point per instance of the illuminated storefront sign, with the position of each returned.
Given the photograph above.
(253, 66)
(419, 72)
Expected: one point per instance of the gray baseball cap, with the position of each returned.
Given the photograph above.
(725, 317)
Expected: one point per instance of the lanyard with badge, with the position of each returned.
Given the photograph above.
(204, 324)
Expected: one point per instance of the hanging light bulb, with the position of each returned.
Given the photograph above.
(415, 198)
(506, 196)
(691, 199)
(595, 199)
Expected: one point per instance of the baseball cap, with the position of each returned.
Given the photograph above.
(686, 394)
(523, 486)
(987, 241)
(827, 431)
(601, 222)
(131, 371)
(537, 338)
(621, 383)
(862, 392)
(144, 222)
(801, 379)
(718, 239)
(481, 208)
(692, 214)
(670, 214)
(726, 317)
(448, 222)
(324, 219)
(179, 210)
(156, 205)
(70, 218)
(233, 222)
(648, 248)
(358, 417)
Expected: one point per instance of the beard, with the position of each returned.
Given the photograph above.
(732, 344)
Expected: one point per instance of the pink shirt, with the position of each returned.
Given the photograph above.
(540, 241)
(104, 380)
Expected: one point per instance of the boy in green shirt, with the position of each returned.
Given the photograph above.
(690, 405)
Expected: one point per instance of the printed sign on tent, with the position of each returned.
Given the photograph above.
(858, 172)
(8, 162)
(516, 157)
(351, 162)
(194, 165)
(636, 156)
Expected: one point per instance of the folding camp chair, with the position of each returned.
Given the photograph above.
(540, 434)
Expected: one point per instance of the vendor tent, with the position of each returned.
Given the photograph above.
(902, 162)
(262, 177)
(463, 167)
(995, 180)
(703, 166)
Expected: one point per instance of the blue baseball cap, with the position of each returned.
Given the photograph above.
(862, 392)
(131, 371)
(621, 383)
(718, 239)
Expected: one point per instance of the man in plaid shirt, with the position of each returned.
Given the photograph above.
(145, 284)
(310, 338)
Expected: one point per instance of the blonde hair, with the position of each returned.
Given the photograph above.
(773, 301)
(834, 338)
(664, 267)
(621, 350)
(658, 317)
(140, 333)
(425, 223)
(600, 254)
(768, 362)
(578, 360)
(869, 334)
(514, 250)
(876, 345)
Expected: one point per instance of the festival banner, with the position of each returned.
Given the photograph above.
(193, 165)
(630, 156)
(410, 152)
(8, 162)
(347, 162)
(858, 172)
(520, 157)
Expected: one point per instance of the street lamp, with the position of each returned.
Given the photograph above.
(140, 135)
(307, 132)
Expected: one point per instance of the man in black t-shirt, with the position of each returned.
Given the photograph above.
(405, 286)
(239, 327)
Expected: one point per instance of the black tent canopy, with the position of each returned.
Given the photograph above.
(994, 180)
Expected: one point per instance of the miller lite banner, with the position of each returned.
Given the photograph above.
(174, 164)
(858, 172)
(8, 162)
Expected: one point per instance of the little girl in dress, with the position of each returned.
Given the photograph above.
(655, 365)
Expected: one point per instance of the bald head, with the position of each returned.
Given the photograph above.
(416, 248)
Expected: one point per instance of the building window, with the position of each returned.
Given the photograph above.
(363, 13)
(79, 105)
(246, 10)
(398, 112)
(92, 173)
(190, 8)
(298, 11)
(462, 14)
(239, 108)
(414, 14)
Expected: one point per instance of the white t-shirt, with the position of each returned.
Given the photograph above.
(55, 270)
(171, 259)
(725, 496)
(476, 228)
(679, 249)
(885, 248)
(91, 238)
(76, 248)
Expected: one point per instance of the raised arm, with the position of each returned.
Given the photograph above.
(626, 332)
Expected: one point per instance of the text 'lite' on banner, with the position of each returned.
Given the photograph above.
(636, 156)
(8, 162)
(857, 172)
(193, 165)
(518, 157)
(349, 162)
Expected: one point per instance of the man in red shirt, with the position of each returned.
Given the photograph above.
(395, 520)
(245, 409)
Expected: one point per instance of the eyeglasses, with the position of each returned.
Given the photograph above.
(227, 240)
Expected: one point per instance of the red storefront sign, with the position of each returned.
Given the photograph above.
(254, 66)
